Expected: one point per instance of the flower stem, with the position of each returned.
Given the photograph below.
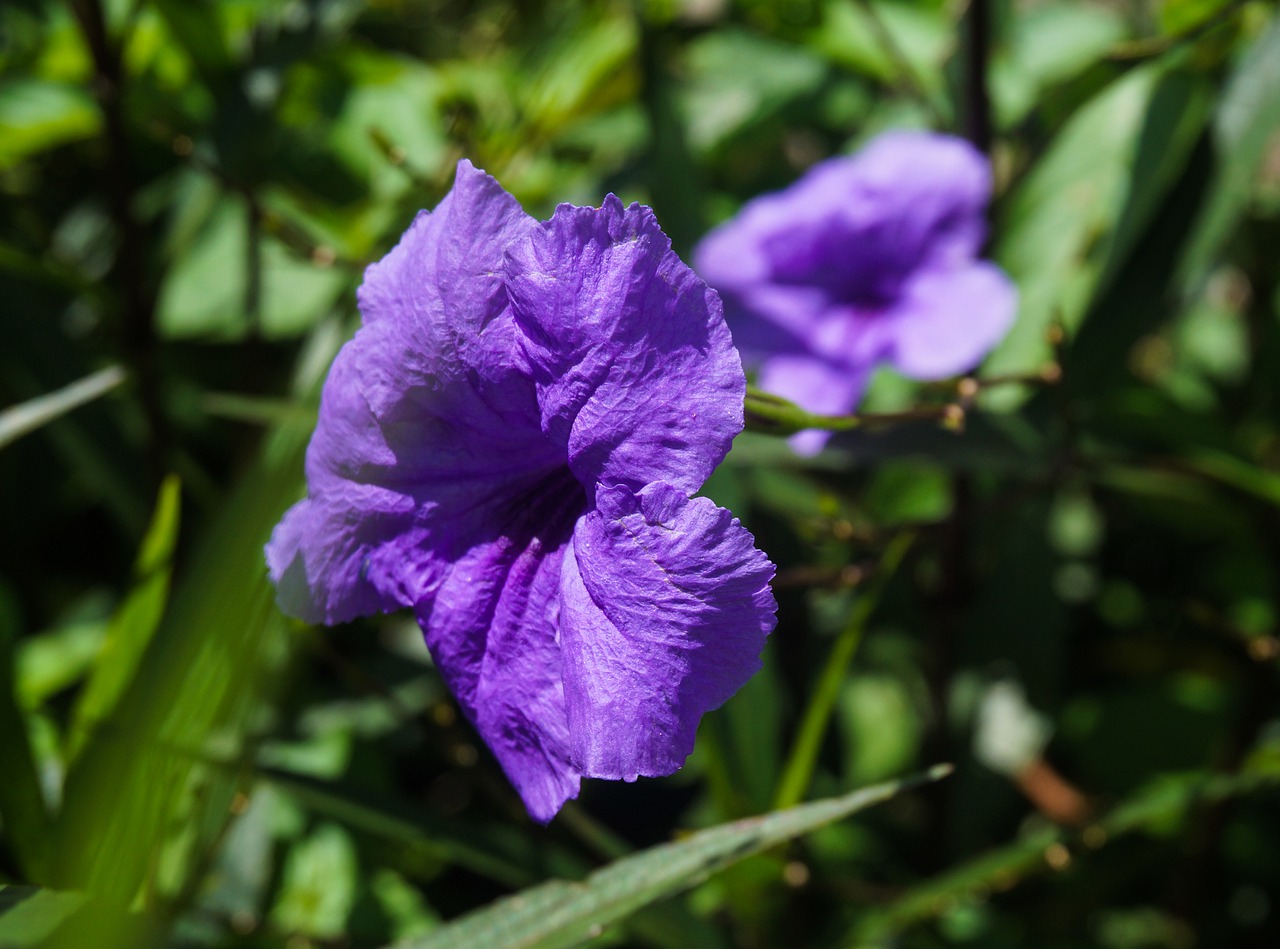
(798, 772)
(773, 415)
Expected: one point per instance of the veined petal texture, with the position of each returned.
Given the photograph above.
(637, 375)
(521, 394)
(666, 606)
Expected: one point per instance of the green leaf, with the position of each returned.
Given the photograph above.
(51, 661)
(475, 848)
(30, 915)
(1049, 45)
(1074, 219)
(22, 805)
(561, 913)
(581, 73)
(1247, 119)
(198, 29)
(18, 420)
(797, 774)
(319, 886)
(134, 622)
(738, 79)
(900, 43)
(36, 115)
(151, 790)
(206, 291)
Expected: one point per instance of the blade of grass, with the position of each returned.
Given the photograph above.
(22, 806)
(150, 793)
(134, 623)
(798, 771)
(26, 417)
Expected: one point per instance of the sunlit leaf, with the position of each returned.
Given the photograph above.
(560, 913)
(1072, 221)
(29, 916)
(36, 115)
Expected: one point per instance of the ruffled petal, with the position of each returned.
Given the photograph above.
(637, 375)
(350, 553)
(948, 320)
(491, 623)
(427, 419)
(665, 606)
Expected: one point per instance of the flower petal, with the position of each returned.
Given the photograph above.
(665, 609)
(948, 320)
(636, 370)
(491, 624)
(854, 228)
(428, 416)
(349, 553)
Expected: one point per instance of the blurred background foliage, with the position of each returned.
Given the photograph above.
(1074, 600)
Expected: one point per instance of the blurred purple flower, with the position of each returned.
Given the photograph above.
(865, 260)
(508, 446)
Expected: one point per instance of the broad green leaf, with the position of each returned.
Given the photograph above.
(319, 885)
(1244, 129)
(1049, 45)
(1181, 16)
(581, 74)
(1073, 220)
(898, 43)
(18, 420)
(560, 913)
(880, 725)
(36, 115)
(1179, 109)
(198, 29)
(134, 622)
(394, 97)
(738, 79)
(51, 661)
(206, 292)
(30, 915)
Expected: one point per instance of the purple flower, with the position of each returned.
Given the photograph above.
(508, 445)
(865, 260)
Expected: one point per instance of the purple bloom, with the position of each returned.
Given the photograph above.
(508, 446)
(867, 259)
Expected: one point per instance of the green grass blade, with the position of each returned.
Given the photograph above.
(798, 772)
(150, 793)
(22, 805)
(560, 913)
(136, 620)
(19, 420)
